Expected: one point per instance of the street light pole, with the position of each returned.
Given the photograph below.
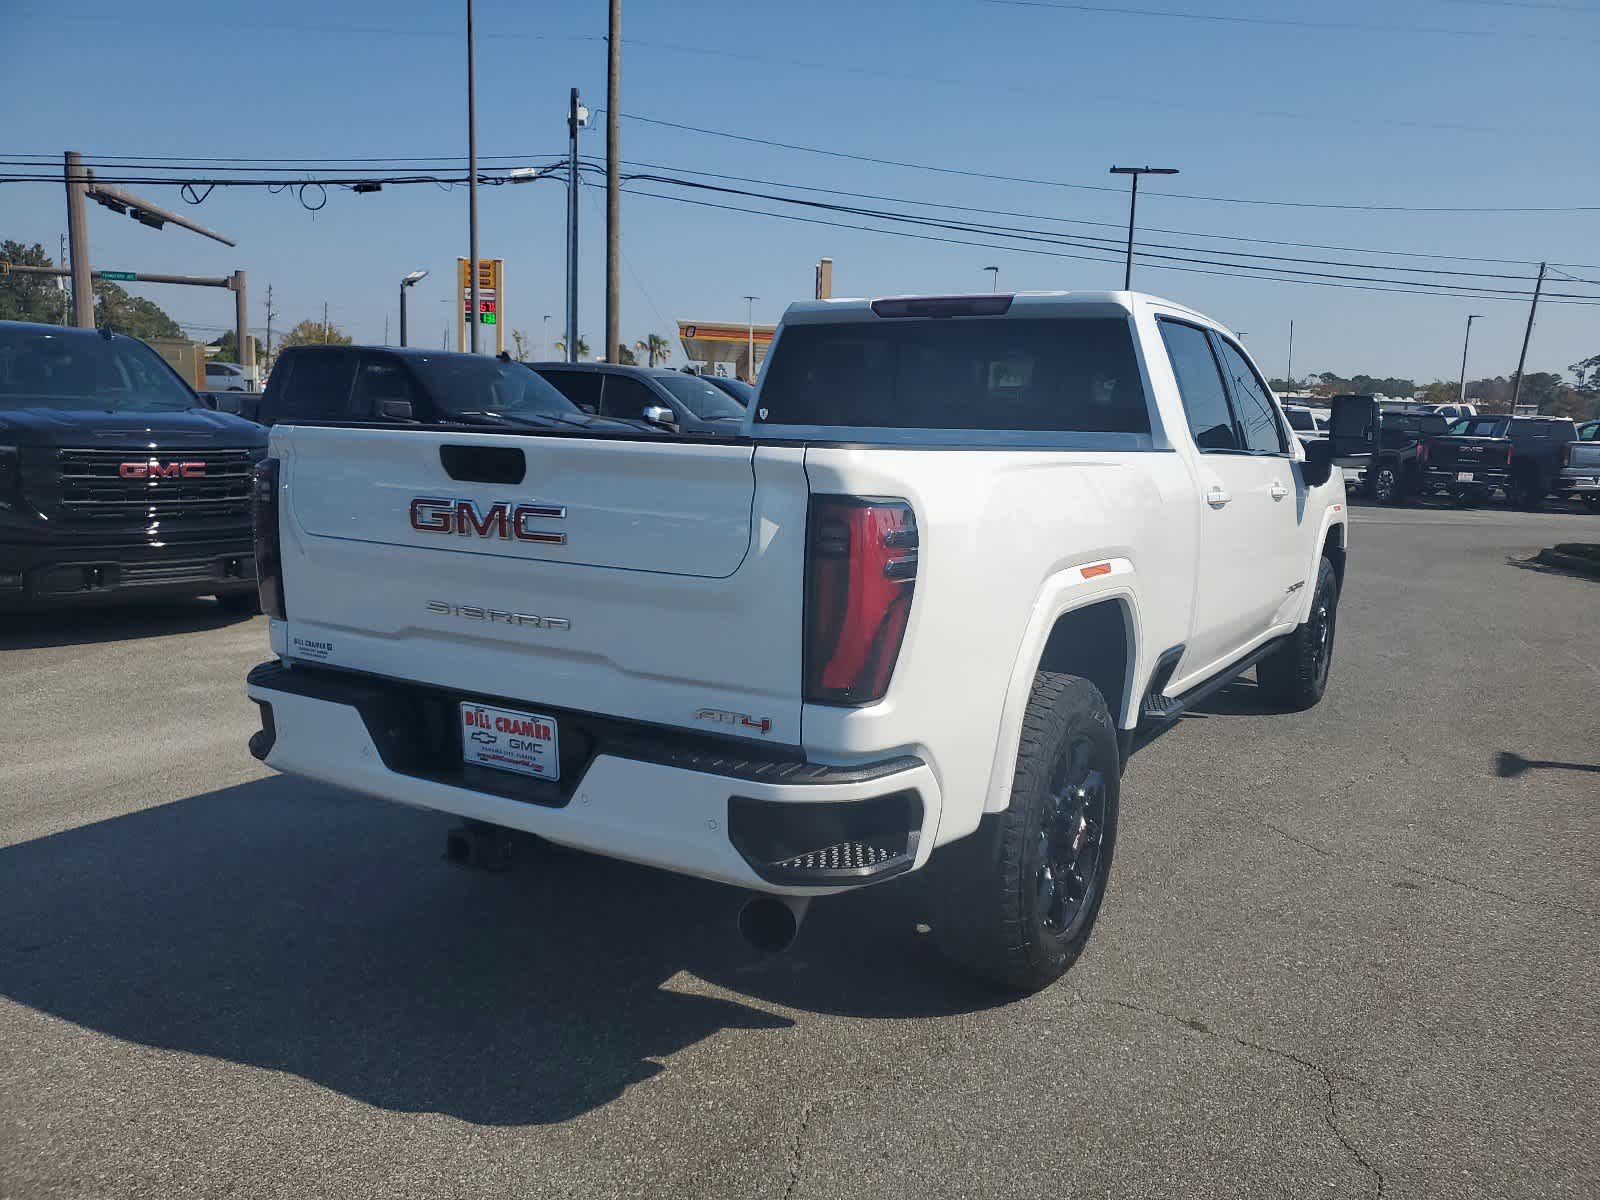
(409, 280)
(750, 320)
(544, 339)
(1465, 342)
(613, 183)
(1133, 203)
(472, 178)
(574, 120)
(994, 283)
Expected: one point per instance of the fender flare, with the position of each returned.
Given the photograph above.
(1333, 515)
(1062, 592)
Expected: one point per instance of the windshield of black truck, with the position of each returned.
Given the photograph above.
(1042, 374)
(40, 368)
(461, 384)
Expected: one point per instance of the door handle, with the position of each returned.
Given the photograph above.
(1277, 491)
(1216, 497)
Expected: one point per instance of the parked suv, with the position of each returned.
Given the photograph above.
(670, 400)
(113, 482)
(968, 553)
(393, 385)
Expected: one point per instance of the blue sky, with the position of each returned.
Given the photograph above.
(1453, 103)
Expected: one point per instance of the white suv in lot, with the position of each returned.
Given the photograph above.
(967, 552)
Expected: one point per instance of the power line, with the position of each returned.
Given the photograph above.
(1091, 187)
(1168, 14)
(1410, 289)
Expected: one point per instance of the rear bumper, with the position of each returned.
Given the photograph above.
(1481, 476)
(1577, 480)
(693, 805)
(36, 574)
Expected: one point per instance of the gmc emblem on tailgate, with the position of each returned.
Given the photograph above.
(503, 519)
(152, 469)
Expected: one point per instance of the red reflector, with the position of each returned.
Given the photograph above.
(1096, 570)
(861, 572)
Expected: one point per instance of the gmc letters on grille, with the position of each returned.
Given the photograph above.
(503, 519)
(152, 469)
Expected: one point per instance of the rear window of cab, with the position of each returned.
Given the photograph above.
(1055, 374)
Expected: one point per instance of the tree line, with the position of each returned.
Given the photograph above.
(1549, 391)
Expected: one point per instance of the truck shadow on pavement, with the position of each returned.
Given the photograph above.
(36, 629)
(310, 931)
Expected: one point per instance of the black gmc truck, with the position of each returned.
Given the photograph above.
(114, 484)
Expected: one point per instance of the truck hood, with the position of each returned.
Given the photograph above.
(98, 427)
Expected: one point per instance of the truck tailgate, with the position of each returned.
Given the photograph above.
(656, 580)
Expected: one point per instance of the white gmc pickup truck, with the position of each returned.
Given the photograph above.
(966, 553)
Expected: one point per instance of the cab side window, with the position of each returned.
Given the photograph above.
(626, 398)
(1260, 430)
(1205, 400)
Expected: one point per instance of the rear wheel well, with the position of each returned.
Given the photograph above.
(1095, 643)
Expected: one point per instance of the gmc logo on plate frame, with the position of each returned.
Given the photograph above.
(503, 519)
(152, 469)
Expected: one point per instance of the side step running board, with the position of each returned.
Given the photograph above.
(1160, 713)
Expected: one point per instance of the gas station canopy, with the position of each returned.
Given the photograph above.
(713, 342)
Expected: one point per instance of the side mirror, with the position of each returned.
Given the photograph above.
(1318, 465)
(1353, 427)
(660, 414)
(395, 410)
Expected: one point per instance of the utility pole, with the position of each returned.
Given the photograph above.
(78, 237)
(241, 324)
(1522, 359)
(613, 183)
(66, 293)
(266, 351)
(1465, 342)
(1133, 203)
(1288, 376)
(573, 110)
(385, 329)
(472, 178)
(324, 322)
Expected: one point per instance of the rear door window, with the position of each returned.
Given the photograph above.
(1031, 374)
(1205, 400)
(319, 388)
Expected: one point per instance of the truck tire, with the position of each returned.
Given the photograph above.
(1295, 675)
(1018, 898)
(1383, 484)
(1526, 492)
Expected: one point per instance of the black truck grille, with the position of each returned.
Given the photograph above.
(121, 484)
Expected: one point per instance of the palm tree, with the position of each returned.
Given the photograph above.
(583, 346)
(656, 347)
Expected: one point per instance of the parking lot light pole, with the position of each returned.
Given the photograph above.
(472, 177)
(994, 282)
(1465, 342)
(1133, 203)
(411, 280)
(750, 321)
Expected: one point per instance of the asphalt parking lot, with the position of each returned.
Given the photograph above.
(1350, 952)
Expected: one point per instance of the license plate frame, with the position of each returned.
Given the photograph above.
(513, 740)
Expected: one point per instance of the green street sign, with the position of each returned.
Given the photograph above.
(129, 275)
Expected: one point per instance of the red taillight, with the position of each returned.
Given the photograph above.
(1566, 455)
(1422, 452)
(861, 557)
(264, 520)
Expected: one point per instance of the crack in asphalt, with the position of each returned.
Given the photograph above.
(1330, 1110)
(796, 1146)
(1435, 876)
